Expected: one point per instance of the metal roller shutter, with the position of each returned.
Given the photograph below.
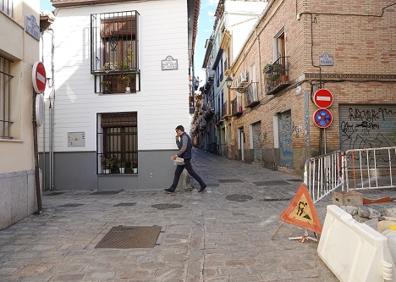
(367, 126)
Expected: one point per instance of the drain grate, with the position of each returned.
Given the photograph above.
(129, 237)
(271, 182)
(106, 192)
(294, 180)
(71, 205)
(166, 206)
(275, 199)
(239, 198)
(212, 184)
(54, 193)
(125, 205)
(230, 181)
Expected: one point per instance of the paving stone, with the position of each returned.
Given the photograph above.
(207, 239)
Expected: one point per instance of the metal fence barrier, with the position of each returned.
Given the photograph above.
(357, 169)
(324, 174)
(371, 168)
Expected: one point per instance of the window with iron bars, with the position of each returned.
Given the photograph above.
(117, 147)
(114, 52)
(5, 98)
(7, 7)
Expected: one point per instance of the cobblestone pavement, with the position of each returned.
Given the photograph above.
(209, 238)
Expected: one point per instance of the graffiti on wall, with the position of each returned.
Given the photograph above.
(367, 126)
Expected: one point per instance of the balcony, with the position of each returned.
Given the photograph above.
(114, 52)
(236, 106)
(276, 76)
(252, 99)
(7, 7)
(224, 111)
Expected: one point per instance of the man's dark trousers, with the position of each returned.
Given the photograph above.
(179, 170)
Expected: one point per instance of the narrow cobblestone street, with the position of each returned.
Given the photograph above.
(211, 237)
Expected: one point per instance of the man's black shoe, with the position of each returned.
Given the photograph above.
(169, 190)
(202, 189)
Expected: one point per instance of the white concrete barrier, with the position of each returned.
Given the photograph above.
(353, 251)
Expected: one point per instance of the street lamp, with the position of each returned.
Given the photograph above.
(229, 81)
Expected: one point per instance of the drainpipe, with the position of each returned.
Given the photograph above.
(51, 116)
(44, 123)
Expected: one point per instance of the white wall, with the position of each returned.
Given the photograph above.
(242, 17)
(161, 104)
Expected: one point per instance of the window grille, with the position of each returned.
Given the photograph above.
(117, 148)
(7, 7)
(115, 52)
(5, 98)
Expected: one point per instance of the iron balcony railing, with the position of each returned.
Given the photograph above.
(115, 52)
(224, 110)
(7, 7)
(236, 107)
(277, 75)
(252, 95)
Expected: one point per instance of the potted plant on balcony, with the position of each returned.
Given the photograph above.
(115, 165)
(107, 164)
(121, 166)
(106, 86)
(135, 167)
(128, 167)
(127, 80)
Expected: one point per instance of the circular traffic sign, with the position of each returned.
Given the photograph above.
(40, 109)
(39, 77)
(323, 98)
(322, 118)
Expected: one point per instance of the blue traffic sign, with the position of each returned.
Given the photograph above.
(323, 118)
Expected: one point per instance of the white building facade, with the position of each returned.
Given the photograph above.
(121, 86)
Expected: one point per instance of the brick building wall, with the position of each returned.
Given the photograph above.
(362, 42)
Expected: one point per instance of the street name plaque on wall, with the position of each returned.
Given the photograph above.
(326, 60)
(169, 64)
(76, 139)
(31, 27)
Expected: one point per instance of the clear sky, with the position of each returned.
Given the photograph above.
(205, 26)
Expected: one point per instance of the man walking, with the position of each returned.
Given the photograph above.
(183, 142)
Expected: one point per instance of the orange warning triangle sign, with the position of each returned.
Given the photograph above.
(302, 212)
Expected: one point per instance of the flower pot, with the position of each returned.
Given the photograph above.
(127, 89)
(135, 170)
(106, 171)
(122, 170)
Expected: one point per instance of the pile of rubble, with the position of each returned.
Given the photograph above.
(379, 216)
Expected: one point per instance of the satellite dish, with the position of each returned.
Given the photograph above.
(40, 109)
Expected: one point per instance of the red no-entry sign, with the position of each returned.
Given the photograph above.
(39, 77)
(323, 98)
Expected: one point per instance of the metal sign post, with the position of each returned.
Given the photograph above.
(39, 80)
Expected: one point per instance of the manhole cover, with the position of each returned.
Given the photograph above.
(275, 199)
(71, 205)
(109, 192)
(128, 237)
(239, 198)
(125, 205)
(271, 182)
(230, 181)
(54, 193)
(166, 206)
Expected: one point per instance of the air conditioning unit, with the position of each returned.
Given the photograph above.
(211, 75)
(242, 77)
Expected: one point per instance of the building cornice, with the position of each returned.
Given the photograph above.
(70, 3)
(350, 76)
